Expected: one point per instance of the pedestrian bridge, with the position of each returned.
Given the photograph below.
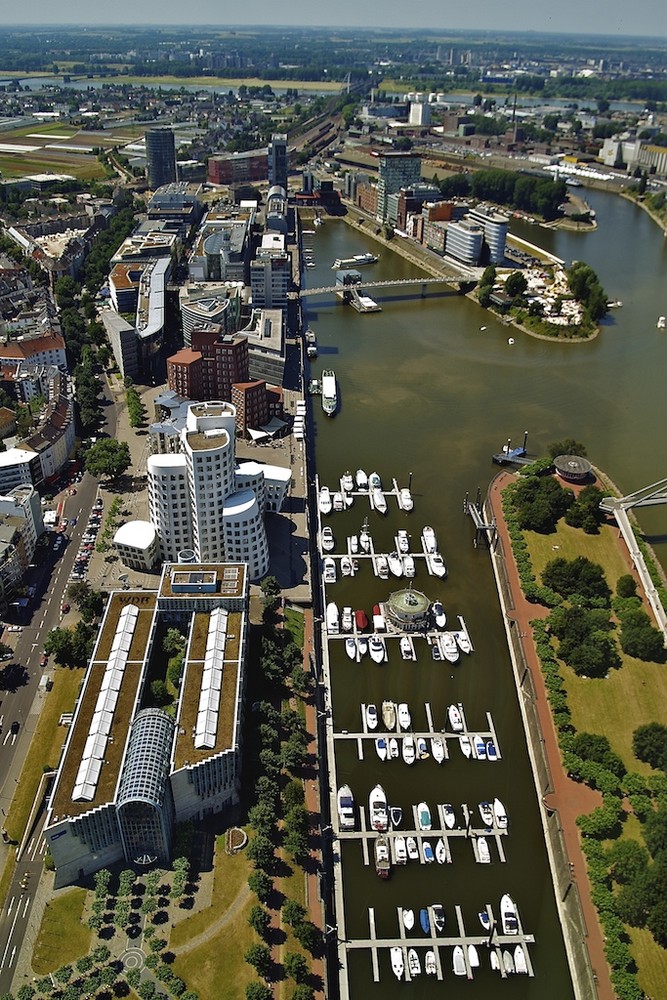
(396, 283)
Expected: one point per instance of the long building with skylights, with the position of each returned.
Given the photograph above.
(129, 771)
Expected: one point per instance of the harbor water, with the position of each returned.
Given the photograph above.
(426, 394)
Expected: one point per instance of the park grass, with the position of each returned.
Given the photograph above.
(63, 936)
(217, 968)
(568, 543)
(294, 623)
(45, 747)
(229, 878)
(651, 962)
(293, 887)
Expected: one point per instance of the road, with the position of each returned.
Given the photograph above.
(50, 577)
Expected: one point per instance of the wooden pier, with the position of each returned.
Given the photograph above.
(483, 530)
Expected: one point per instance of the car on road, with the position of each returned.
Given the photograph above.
(44, 660)
(15, 628)
(14, 728)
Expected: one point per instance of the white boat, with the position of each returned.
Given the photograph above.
(422, 748)
(351, 647)
(439, 616)
(374, 481)
(455, 720)
(346, 620)
(347, 482)
(484, 919)
(395, 815)
(376, 648)
(430, 966)
(404, 719)
(395, 563)
(466, 745)
(393, 748)
(361, 479)
(346, 566)
(324, 501)
(427, 852)
(479, 747)
(379, 501)
(362, 645)
(329, 570)
(437, 564)
(463, 642)
(438, 915)
(345, 803)
(508, 962)
(371, 716)
(408, 567)
(357, 260)
(389, 715)
(328, 540)
(332, 618)
(354, 545)
(458, 961)
(377, 809)
(520, 964)
(408, 750)
(661, 322)
(400, 853)
(402, 541)
(329, 393)
(429, 541)
(382, 856)
(412, 848)
(438, 749)
(491, 752)
(495, 961)
(473, 957)
(449, 815)
(423, 816)
(486, 812)
(382, 564)
(397, 962)
(408, 917)
(414, 965)
(407, 649)
(440, 851)
(509, 917)
(405, 497)
(338, 501)
(365, 539)
(381, 748)
(500, 814)
(449, 647)
(483, 852)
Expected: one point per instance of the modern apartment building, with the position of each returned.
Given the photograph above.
(278, 161)
(495, 226)
(464, 241)
(395, 171)
(271, 274)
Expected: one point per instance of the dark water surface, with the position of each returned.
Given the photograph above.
(424, 390)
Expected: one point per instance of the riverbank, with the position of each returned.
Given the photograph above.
(662, 223)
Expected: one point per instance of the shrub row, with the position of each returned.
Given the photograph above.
(532, 590)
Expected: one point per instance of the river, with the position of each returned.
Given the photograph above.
(424, 390)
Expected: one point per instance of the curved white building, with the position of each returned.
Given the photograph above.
(137, 545)
(245, 537)
(169, 504)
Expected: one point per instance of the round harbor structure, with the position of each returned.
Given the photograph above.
(407, 610)
(573, 468)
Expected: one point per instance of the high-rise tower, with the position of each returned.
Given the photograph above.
(160, 156)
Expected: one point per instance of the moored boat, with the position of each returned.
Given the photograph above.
(353, 541)
(500, 814)
(382, 857)
(395, 563)
(347, 482)
(404, 718)
(437, 564)
(329, 392)
(486, 812)
(463, 641)
(425, 920)
(362, 645)
(414, 965)
(371, 716)
(400, 852)
(458, 961)
(361, 480)
(440, 851)
(455, 719)
(407, 649)
(412, 848)
(389, 714)
(466, 745)
(345, 804)
(382, 564)
(338, 501)
(329, 570)
(509, 917)
(346, 619)
(324, 501)
(438, 749)
(402, 541)
(430, 965)
(520, 963)
(479, 748)
(427, 852)
(381, 747)
(328, 539)
(449, 815)
(405, 497)
(408, 917)
(484, 919)
(423, 816)
(397, 962)
(377, 809)
(365, 539)
(429, 541)
(491, 752)
(395, 815)
(422, 748)
(508, 962)
(393, 749)
(346, 566)
(351, 647)
(408, 566)
(449, 647)
(473, 957)
(438, 914)
(376, 648)
(361, 619)
(333, 618)
(374, 481)
(439, 616)
(495, 961)
(483, 852)
(379, 501)
(408, 750)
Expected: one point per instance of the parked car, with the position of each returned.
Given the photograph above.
(44, 660)
(65, 608)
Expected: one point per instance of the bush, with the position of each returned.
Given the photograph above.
(626, 586)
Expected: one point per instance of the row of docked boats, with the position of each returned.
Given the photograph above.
(361, 483)
(410, 748)
(514, 961)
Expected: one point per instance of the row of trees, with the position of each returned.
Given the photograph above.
(523, 192)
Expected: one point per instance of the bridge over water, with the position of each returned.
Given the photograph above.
(452, 279)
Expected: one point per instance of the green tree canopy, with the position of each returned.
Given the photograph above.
(108, 458)
(649, 744)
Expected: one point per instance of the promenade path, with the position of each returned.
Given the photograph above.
(569, 798)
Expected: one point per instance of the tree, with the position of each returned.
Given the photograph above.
(649, 744)
(296, 966)
(108, 458)
(259, 920)
(261, 852)
(655, 831)
(261, 884)
(293, 912)
(258, 991)
(303, 992)
(626, 585)
(160, 693)
(627, 859)
(657, 922)
(567, 447)
(173, 642)
(308, 936)
(577, 576)
(70, 647)
(259, 956)
(516, 284)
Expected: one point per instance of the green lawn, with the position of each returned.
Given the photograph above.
(230, 876)
(63, 937)
(651, 961)
(218, 968)
(569, 542)
(294, 622)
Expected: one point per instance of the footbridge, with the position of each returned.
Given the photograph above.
(422, 283)
(619, 506)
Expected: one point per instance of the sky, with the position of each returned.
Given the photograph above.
(611, 17)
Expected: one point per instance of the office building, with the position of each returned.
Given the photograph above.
(464, 241)
(278, 161)
(271, 274)
(395, 171)
(160, 156)
(495, 226)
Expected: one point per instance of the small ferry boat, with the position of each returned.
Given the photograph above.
(345, 803)
(357, 260)
(389, 715)
(377, 809)
(382, 857)
(329, 392)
